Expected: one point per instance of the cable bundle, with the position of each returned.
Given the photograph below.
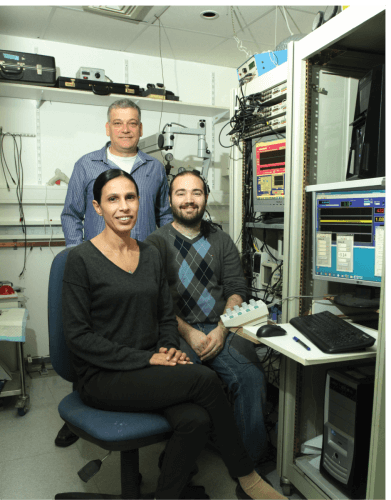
(18, 184)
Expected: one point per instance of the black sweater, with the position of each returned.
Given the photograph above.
(114, 320)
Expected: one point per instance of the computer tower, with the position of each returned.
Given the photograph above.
(368, 134)
(347, 428)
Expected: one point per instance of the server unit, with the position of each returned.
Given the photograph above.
(347, 428)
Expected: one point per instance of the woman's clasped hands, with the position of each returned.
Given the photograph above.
(170, 357)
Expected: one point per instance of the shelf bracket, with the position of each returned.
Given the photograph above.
(220, 117)
(40, 101)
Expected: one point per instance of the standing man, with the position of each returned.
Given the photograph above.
(80, 222)
(205, 277)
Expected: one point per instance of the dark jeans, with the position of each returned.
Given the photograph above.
(239, 368)
(193, 401)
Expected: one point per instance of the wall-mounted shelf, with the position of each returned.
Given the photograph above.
(15, 244)
(42, 94)
(374, 183)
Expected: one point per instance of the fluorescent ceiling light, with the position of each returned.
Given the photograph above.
(133, 14)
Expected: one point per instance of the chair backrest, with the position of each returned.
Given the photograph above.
(60, 355)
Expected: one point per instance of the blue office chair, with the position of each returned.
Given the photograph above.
(112, 431)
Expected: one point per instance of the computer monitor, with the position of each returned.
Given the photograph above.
(269, 173)
(349, 236)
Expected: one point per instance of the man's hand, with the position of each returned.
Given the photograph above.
(216, 343)
(170, 357)
(198, 341)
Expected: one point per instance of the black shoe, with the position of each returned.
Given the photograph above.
(193, 472)
(65, 437)
(265, 479)
(190, 491)
(193, 492)
(240, 493)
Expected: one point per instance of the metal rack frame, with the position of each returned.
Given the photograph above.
(347, 29)
(359, 29)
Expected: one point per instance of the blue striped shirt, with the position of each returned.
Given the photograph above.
(154, 211)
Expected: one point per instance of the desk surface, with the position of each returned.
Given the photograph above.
(293, 350)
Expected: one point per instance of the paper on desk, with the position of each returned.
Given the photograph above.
(315, 462)
(313, 446)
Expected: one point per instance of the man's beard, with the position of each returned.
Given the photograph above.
(191, 220)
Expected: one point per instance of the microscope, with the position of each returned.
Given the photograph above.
(164, 141)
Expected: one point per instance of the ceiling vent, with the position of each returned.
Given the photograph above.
(133, 14)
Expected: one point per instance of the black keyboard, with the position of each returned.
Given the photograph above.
(332, 334)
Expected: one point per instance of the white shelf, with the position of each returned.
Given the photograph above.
(374, 183)
(41, 94)
(359, 27)
(303, 463)
(293, 350)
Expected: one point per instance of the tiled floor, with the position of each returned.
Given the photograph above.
(32, 467)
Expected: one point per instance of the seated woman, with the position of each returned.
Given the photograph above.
(120, 326)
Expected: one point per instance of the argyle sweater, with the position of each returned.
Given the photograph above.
(202, 273)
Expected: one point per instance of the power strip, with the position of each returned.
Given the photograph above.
(248, 314)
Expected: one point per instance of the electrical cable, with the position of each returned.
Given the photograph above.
(286, 20)
(161, 63)
(47, 214)
(19, 184)
(172, 123)
(240, 123)
(237, 40)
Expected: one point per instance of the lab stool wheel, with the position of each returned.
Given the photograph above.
(23, 405)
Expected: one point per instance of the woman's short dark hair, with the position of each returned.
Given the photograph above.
(107, 176)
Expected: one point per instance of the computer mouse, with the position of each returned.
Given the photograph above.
(270, 331)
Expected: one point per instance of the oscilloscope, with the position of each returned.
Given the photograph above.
(349, 236)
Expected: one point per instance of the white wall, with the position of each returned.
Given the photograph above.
(68, 131)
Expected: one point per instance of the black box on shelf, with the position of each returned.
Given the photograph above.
(22, 67)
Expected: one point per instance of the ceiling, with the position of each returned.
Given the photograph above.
(175, 32)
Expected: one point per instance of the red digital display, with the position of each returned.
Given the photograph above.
(379, 210)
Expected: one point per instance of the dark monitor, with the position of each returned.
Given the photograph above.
(367, 150)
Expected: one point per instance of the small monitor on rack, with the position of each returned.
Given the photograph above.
(269, 174)
(349, 236)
